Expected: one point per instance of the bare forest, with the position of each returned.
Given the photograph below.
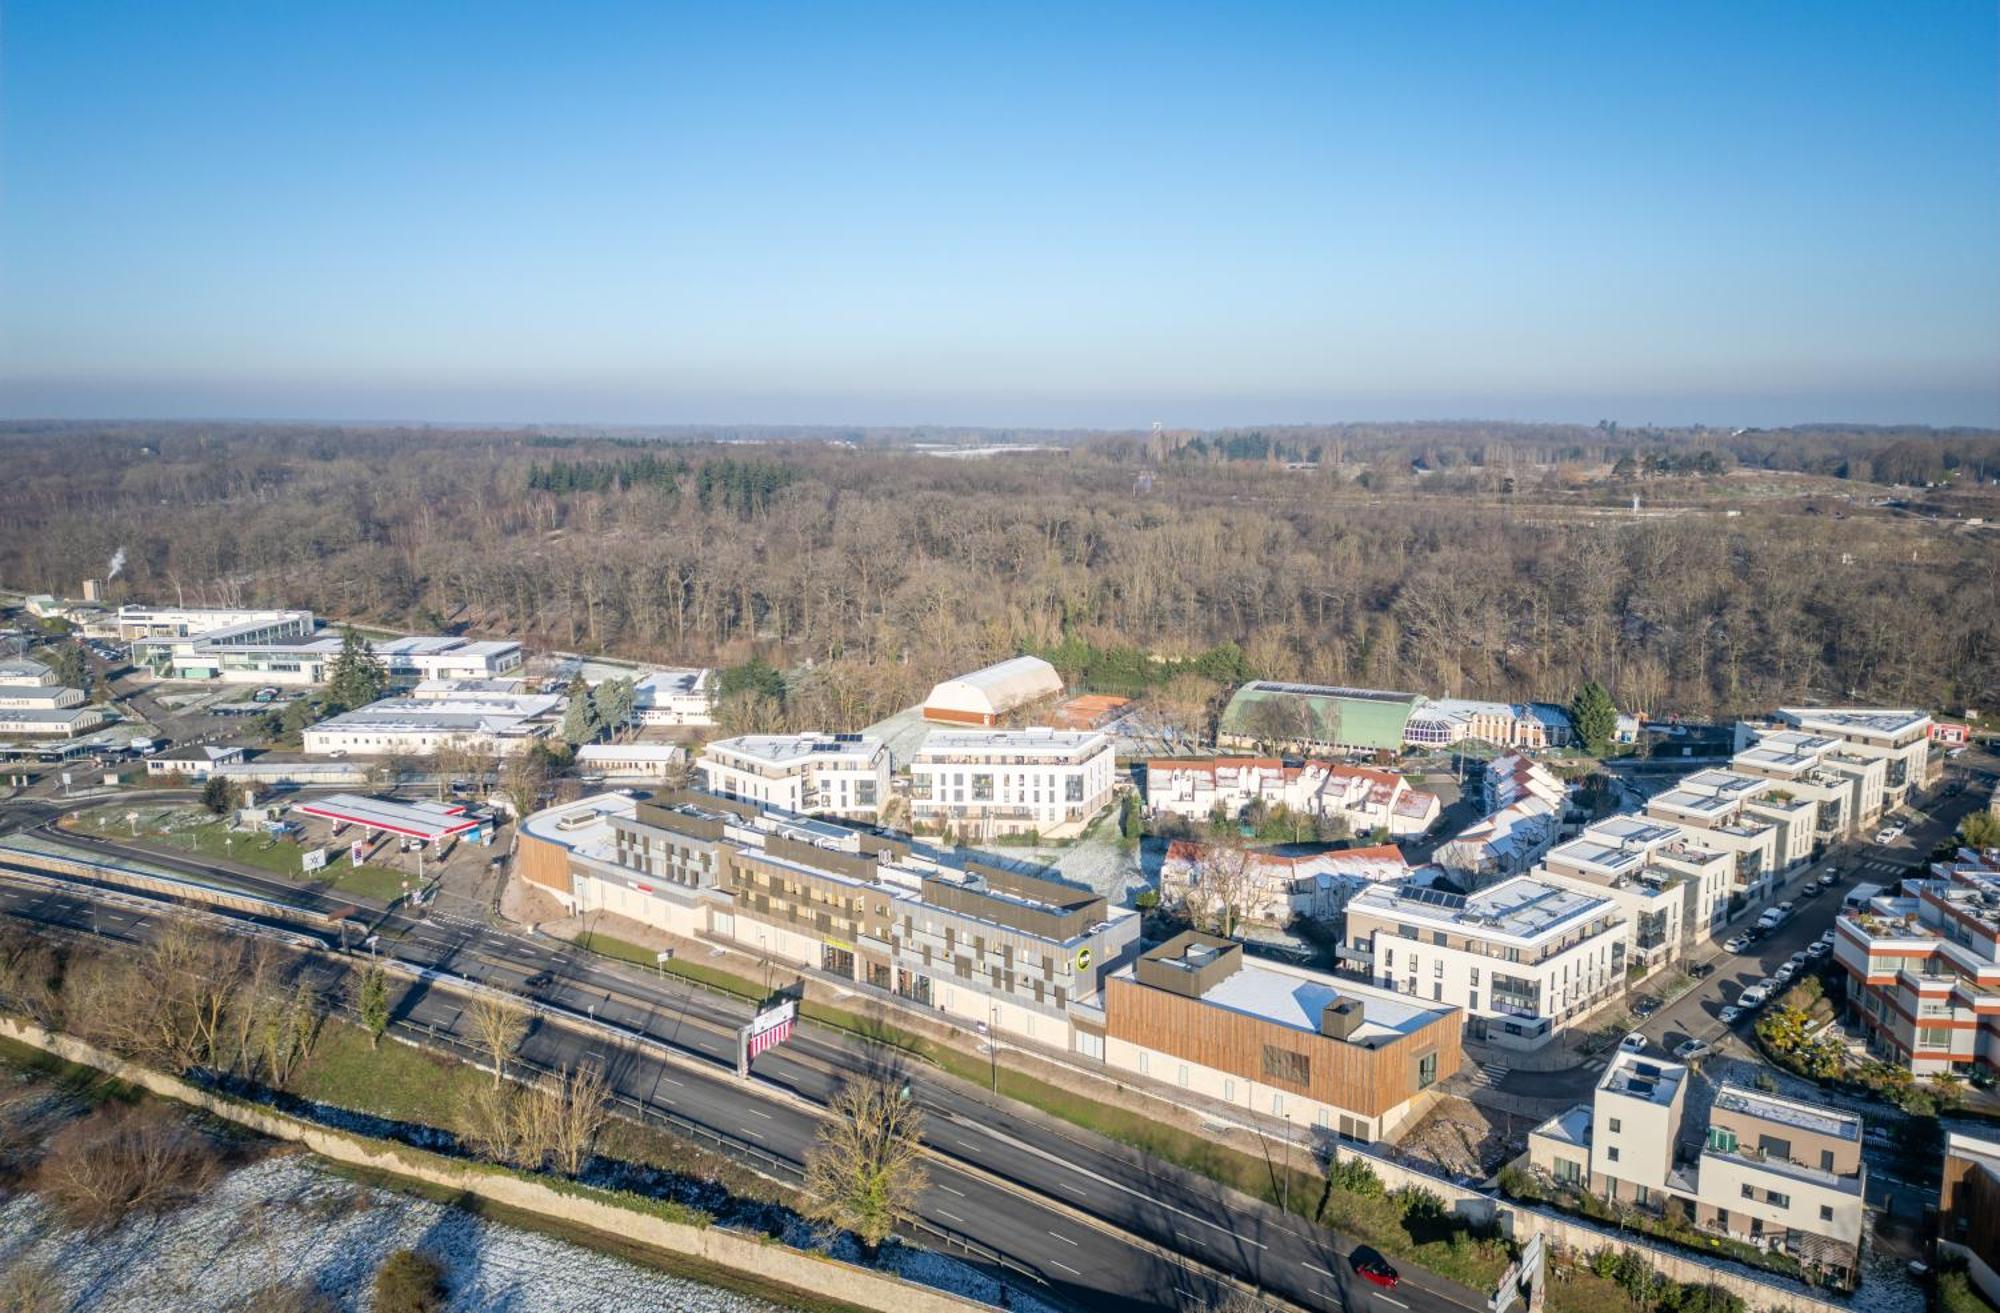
(1498, 561)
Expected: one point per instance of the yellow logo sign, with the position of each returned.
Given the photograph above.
(1083, 959)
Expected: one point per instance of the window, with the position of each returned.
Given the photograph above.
(1427, 1071)
(1569, 1173)
(1773, 1147)
(1437, 968)
(1749, 1192)
(1826, 1160)
(1285, 1065)
(1775, 1199)
(1934, 1037)
(1475, 975)
(1722, 1139)
(1826, 1212)
(1437, 937)
(1612, 1154)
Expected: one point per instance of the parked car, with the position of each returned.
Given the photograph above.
(1647, 1005)
(1754, 997)
(1810, 889)
(1737, 943)
(1816, 950)
(1701, 970)
(1783, 975)
(1633, 1043)
(1372, 1267)
(1729, 1015)
(1798, 960)
(1826, 939)
(1691, 1050)
(1769, 983)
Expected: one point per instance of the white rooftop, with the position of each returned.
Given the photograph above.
(1788, 1112)
(1524, 908)
(792, 749)
(1019, 742)
(1636, 1076)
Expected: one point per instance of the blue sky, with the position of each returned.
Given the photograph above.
(1091, 215)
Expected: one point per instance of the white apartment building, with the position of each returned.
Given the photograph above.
(1506, 843)
(1522, 959)
(1770, 833)
(630, 761)
(1672, 891)
(805, 774)
(418, 727)
(1848, 788)
(1365, 797)
(674, 697)
(1898, 737)
(1052, 782)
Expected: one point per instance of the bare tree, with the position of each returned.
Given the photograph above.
(576, 1104)
(522, 779)
(1221, 885)
(123, 1159)
(865, 1170)
(499, 1023)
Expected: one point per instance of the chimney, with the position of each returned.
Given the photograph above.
(1341, 1018)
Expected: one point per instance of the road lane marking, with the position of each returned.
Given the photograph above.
(1311, 1267)
(752, 1134)
(1397, 1302)
(1065, 1239)
(953, 1216)
(1065, 1267)
(942, 1186)
(754, 1112)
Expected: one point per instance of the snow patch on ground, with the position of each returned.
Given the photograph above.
(288, 1221)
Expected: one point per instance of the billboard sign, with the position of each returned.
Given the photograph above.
(357, 852)
(313, 860)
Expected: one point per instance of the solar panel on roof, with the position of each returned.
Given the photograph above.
(1646, 1069)
(1418, 893)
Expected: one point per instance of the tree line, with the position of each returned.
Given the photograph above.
(866, 574)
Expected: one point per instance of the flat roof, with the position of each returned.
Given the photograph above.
(1037, 741)
(678, 682)
(790, 749)
(488, 712)
(1639, 1077)
(1525, 907)
(1298, 1002)
(1868, 720)
(418, 820)
(1789, 1112)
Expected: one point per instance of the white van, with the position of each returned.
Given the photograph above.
(1859, 897)
(1754, 997)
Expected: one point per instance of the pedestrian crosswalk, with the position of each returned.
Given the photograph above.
(1486, 1073)
(1882, 866)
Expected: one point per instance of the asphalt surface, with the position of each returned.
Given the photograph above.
(1067, 1185)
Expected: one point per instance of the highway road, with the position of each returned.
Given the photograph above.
(1103, 1225)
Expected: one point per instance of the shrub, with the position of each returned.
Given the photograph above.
(124, 1159)
(289, 1299)
(1355, 1176)
(409, 1282)
(31, 1288)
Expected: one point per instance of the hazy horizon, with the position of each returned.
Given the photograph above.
(628, 214)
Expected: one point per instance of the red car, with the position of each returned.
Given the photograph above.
(1371, 1266)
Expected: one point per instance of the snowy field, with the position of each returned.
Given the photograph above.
(288, 1221)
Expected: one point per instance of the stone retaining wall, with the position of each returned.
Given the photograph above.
(808, 1273)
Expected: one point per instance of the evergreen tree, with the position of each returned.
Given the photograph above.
(215, 794)
(1595, 716)
(356, 676)
(614, 700)
(580, 723)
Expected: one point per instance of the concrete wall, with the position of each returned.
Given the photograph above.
(1581, 1239)
(802, 1271)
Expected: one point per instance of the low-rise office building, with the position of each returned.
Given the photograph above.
(995, 782)
(139, 623)
(1520, 960)
(418, 727)
(24, 672)
(674, 697)
(196, 762)
(1325, 1054)
(52, 722)
(232, 658)
(631, 761)
(1766, 1170)
(844, 775)
(38, 697)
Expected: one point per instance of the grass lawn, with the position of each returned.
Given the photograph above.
(394, 1081)
(1957, 1294)
(88, 1084)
